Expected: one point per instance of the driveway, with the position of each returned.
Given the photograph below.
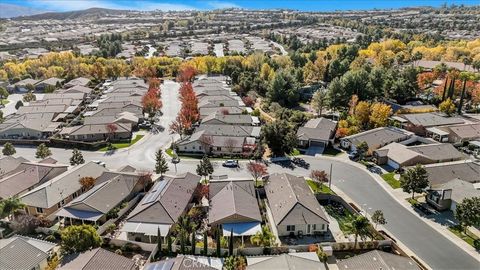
(313, 150)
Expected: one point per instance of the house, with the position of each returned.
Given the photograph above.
(21, 252)
(230, 119)
(98, 132)
(229, 130)
(204, 112)
(430, 64)
(316, 132)
(294, 208)
(123, 117)
(424, 123)
(465, 170)
(199, 143)
(375, 138)
(377, 259)
(9, 163)
(161, 207)
(96, 259)
(23, 85)
(50, 82)
(52, 195)
(462, 133)
(27, 176)
(110, 191)
(448, 195)
(76, 89)
(186, 262)
(397, 155)
(28, 126)
(286, 261)
(234, 207)
(80, 81)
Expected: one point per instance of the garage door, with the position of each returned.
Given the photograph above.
(393, 164)
(317, 144)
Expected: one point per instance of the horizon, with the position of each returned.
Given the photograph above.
(302, 5)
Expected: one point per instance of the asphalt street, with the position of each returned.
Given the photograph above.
(428, 244)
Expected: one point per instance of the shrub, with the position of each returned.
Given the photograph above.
(118, 252)
(50, 238)
(476, 244)
(322, 256)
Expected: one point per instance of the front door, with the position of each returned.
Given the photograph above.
(308, 229)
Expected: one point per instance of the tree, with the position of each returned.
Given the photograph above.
(217, 241)
(362, 149)
(169, 245)
(151, 102)
(79, 238)
(280, 137)
(8, 149)
(380, 113)
(10, 206)
(111, 129)
(319, 101)
(87, 182)
(161, 165)
(28, 97)
(359, 228)
(362, 113)
(193, 243)
(230, 243)
(263, 238)
(468, 213)
(414, 180)
(319, 176)
(378, 218)
(3, 93)
(447, 107)
(158, 256)
(53, 262)
(257, 170)
(77, 158)
(229, 145)
(205, 244)
(283, 89)
(18, 104)
(43, 151)
(205, 167)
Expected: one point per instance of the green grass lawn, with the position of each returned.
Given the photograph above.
(343, 219)
(317, 188)
(413, 202)
(122, 145)
(390, 179)
(295, 152)
(470, 238)
(330, 151)
(5, 101)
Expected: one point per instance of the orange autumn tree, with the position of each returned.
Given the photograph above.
(151, 102)
(189, 113)
(186, 74)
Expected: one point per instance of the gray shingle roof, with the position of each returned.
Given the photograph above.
(286, 262)
(431, 119)
(292, 202)
(378, 260)
(234, 202)
(97, 259)
(18, 253)
(378, 137)
(444, 172)
(317, 129)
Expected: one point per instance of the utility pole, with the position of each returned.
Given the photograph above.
(330, 180)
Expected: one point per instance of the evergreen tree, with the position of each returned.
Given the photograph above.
(205, 167)
(192, 242)
(414, 180)
(230, 243)
(205, 244)
(161, 165)
(218, 241)
(158, 256)
(77, 158)
(8, 149)
(169, 244)
(43, 151)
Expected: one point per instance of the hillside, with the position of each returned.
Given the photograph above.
(91, 13)
(10, 11)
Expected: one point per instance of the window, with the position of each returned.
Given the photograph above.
(323, 227)
(39, 210)
(290, 228)
(219, 149)
(193, 147)
(74, 195)
(314, 227)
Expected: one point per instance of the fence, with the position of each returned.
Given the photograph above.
(122, 212)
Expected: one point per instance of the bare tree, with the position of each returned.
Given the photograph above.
(229, 145)
(206, 141)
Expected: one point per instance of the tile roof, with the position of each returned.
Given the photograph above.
(23, 253)
(97, 259)
(292, 202)
(378, 260)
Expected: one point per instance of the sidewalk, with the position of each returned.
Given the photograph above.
(401, 196)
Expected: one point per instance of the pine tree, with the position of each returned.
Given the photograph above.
(43, 151)
(205, 167)
(159, 245)
(161, 165)
(230, 243)
(169, 244)
(218, 241)
(193, 243)
(205, 244)
(77, 158)
(8, 149)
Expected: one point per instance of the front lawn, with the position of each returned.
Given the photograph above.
(122, 145)
(390, 179)
(319, 188)
(330, 151)
(470, 238)
(295, 152)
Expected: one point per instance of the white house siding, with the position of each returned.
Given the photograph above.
(20, 132)
(282, 229)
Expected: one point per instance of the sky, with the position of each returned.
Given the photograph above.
(305, 5)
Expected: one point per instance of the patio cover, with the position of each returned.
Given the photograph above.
(242, 229)
(146, 228)
(438, 131)
(78, 214)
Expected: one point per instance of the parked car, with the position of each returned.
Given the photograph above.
(145, 125)
(230, 163)
(101, 163)
(353, 155)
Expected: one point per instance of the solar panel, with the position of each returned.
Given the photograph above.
(157, 190)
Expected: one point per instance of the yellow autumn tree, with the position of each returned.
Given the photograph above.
(379, 114)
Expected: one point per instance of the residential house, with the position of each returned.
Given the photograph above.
(98, 132)
(161, 207)
(375, 138)
(286, 261)
(230, 119)
(462, 133)
(206, 111)
(76, 89)
(97, 259)
(52, 195)
(123, 117)
(234, 207)
(50, 82)
(294, 208)
(9, 163)
(28, 126)
(426, 123)
(377, 259)
(27, 176)
(110, 191)
(21, 252)
(448, 195)
(230, 130)
(183, 262)
(316, 132)
(23, 85)
(80, 81)
(397, 155)
(443, 172)
(200, 143)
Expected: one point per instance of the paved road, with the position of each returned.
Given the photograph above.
(428, 244)
(282, 50)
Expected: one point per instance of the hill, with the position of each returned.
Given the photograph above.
(91, 13)
(10, 11)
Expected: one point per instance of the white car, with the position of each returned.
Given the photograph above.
(101, 163)
(230, 163)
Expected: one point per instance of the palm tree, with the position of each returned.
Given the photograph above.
(263, 238)
(359, 227)
(10, 206)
